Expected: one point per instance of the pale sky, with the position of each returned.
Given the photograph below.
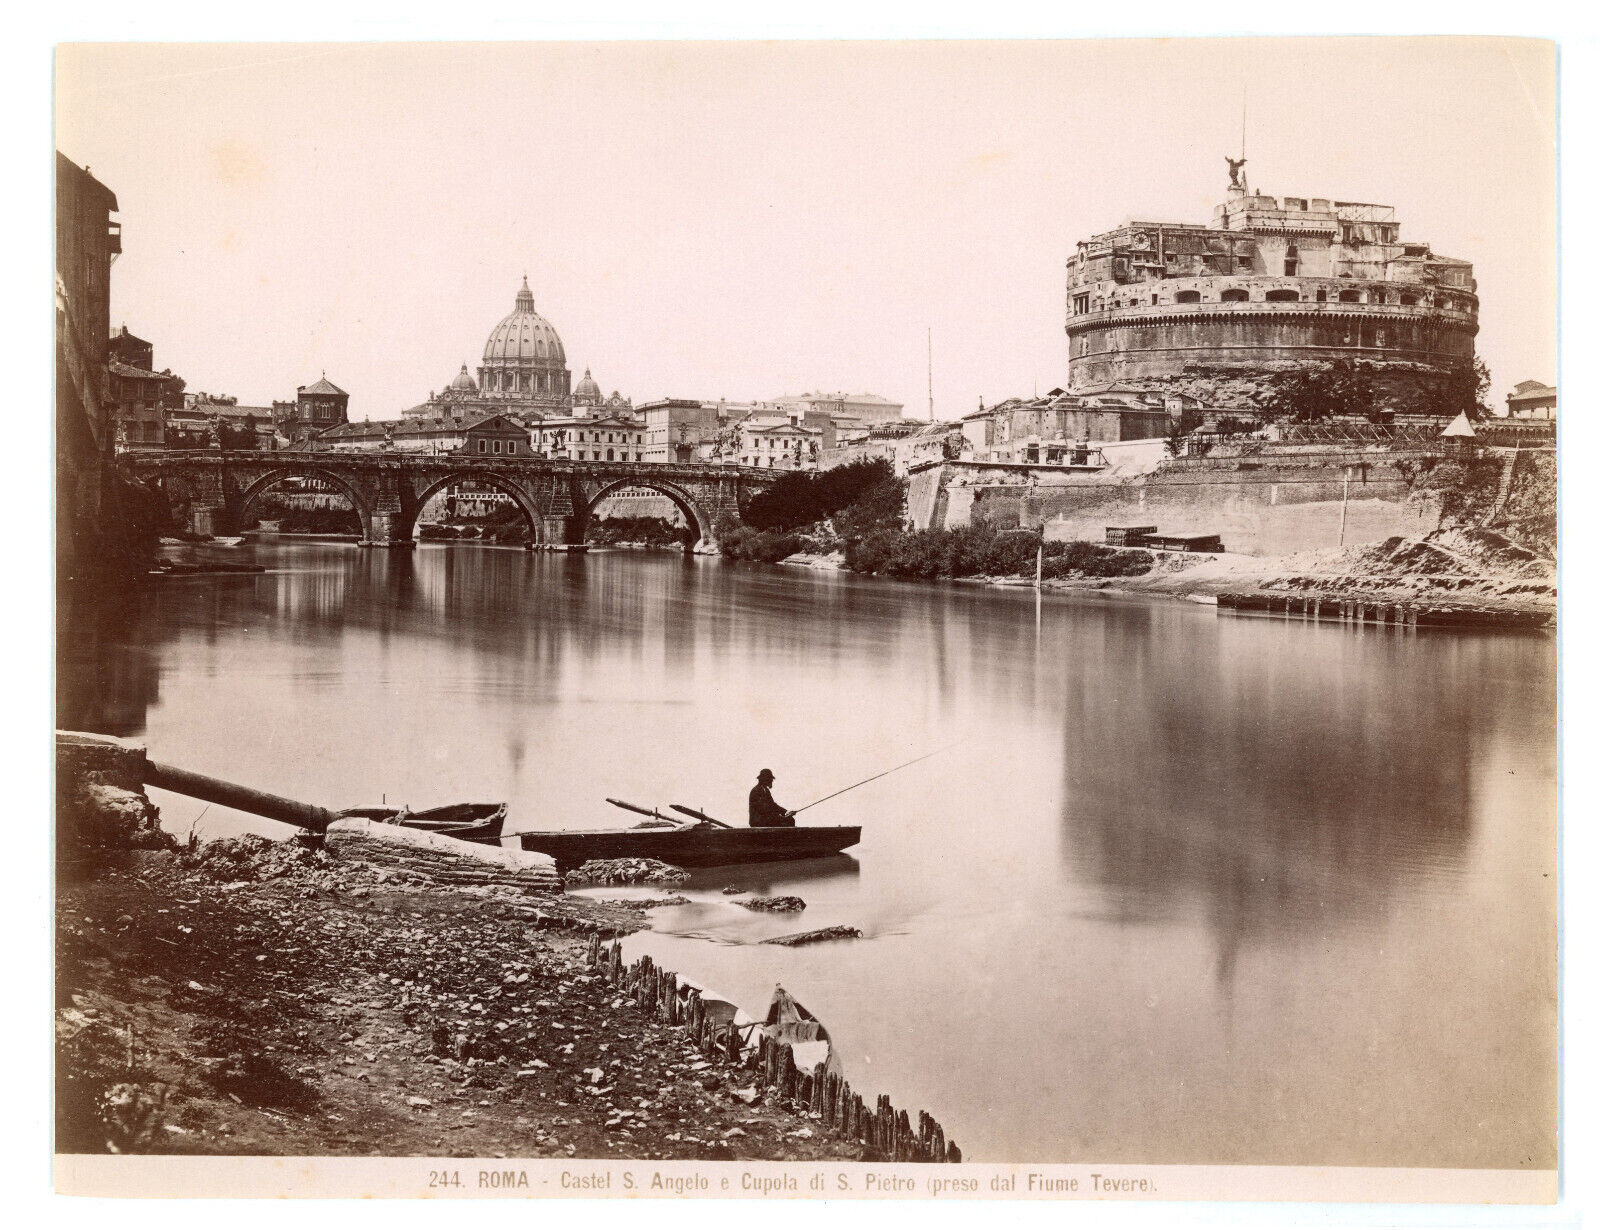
(744, 220)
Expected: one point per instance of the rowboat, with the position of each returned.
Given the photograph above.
(789, 1021)
(692, 845)
(481, 822)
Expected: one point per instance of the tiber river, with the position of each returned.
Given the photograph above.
(1188, 888)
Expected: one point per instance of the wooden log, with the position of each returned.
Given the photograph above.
(240, 798)
(786, 1070)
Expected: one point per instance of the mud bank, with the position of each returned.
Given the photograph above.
(1469, 569)
(258, 998)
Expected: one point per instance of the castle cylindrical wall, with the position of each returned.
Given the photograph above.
(1163, 330)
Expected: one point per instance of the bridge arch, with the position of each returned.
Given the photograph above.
(699, 521)
(488, 478)
(265, 482)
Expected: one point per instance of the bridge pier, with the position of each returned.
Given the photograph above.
(208, 510)
(387, 532)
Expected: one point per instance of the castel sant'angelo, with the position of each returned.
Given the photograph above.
(1273, 284)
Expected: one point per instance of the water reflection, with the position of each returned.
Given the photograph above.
(1186, 889)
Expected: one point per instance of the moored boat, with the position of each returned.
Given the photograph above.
(694, 845)
(482, 822)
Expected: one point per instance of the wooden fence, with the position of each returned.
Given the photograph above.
(843, 1111)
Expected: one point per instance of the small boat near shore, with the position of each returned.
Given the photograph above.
(693, 845)
(481, 822)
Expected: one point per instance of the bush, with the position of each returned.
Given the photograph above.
(761, 546)
(801, 497)
(652, 531)
(981, 550)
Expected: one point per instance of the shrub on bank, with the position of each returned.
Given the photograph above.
(982, 550)
(761, 546)
(804, 497)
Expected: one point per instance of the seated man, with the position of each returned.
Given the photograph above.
(764, 810)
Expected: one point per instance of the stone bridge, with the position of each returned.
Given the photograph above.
(214, 490)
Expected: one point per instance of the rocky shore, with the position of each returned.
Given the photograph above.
(1471, 569)
(247, 997)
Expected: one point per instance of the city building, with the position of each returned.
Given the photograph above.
(783, 444)
(88, 241)
(582, 437)
(487, 435)
(866, 409)
(315, 408)
(207, 419)
(679, 430)
(1272, 285)
(142, 396)
(902, 445)
(1532, 400)
(1060, 427)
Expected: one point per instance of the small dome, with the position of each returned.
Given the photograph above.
(524, 337)
(587, 390)
(464, 383)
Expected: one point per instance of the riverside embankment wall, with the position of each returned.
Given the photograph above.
(1261, 505)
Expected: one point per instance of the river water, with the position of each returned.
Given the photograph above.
(1188, 888)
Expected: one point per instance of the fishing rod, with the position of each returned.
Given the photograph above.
(875, 777)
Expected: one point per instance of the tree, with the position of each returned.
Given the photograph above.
(1464, 391)
(241, 437)
(1311, 394)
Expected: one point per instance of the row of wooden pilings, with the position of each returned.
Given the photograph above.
(1376, 611)
(844, 1112)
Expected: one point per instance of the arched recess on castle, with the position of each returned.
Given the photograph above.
(699, 521)
(499, 482)
(265, 482)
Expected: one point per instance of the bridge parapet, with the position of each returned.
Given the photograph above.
(389, 490)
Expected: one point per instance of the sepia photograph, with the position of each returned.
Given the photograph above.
(815, 619)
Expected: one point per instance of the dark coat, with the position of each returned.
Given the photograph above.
(765, 813)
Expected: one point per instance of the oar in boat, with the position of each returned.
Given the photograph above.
(700, 815)
(873, 778)
(643, 811)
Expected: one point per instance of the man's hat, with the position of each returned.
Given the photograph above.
(764, 776)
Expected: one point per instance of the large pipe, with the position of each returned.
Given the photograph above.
(240, 798)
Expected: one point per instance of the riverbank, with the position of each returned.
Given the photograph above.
(1465, 568)
(260, 998)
